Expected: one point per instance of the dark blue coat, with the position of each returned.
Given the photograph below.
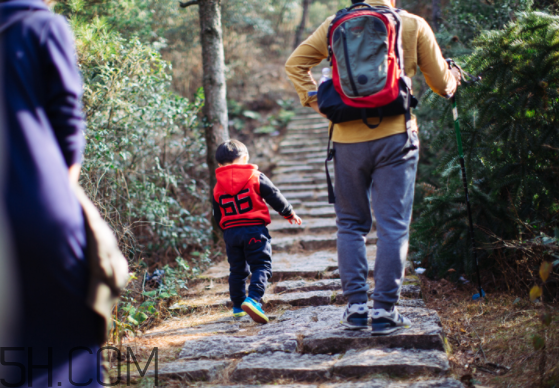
(41, 92)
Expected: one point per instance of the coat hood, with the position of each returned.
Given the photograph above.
(234, 177)
(11, 7)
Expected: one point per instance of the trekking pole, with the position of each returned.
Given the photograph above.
(473, 79)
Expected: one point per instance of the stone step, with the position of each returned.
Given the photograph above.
(312, 242)
(321, 212)
(301, 156)
(320, 225)
(304, 285)
(320, 332)
(304, 142)
(287, 187)
(188, 371)
(374, 383)
(307, 367)
(309, 298)
(288, 266)
(395, 362)
(312, 178)
(408, 290)
(295, 169)
(307, 162)
(306, 150)
(319, 195)
(308, 126)
(236, 346)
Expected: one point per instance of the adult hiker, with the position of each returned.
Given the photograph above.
(58, 334)
(375, 154)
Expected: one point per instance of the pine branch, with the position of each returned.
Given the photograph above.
(188, 3)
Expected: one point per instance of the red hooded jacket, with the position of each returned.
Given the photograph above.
(241, 194)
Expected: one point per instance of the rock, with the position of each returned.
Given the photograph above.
(383, 383)
(309, 298)
(274, 366)
(400, 362)
(223, 346)
(199, 370)
(303, 285)
(322, 332)
(410, 291)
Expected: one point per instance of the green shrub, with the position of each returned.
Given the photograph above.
(145, 153)
(511, 142)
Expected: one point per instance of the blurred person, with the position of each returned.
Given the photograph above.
(42, 88)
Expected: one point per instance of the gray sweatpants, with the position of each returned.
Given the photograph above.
(383, 170)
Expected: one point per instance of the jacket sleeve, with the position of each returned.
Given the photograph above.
(216, 212)
(274, 198)
(432, 63)
(308, 55)
(64, 89)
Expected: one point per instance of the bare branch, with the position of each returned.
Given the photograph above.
(188, 3)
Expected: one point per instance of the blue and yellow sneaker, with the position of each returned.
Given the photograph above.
(254, 309)
(238, 312)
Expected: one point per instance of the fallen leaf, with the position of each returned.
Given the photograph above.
(535, 293)
(545, 270)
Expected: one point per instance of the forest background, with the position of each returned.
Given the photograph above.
(145, 160)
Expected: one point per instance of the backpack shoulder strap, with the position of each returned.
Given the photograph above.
(18, 18)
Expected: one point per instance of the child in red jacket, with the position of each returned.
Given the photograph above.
(240, 211)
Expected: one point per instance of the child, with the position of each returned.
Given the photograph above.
(240, 211)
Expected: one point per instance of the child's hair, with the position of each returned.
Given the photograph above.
(229, 151)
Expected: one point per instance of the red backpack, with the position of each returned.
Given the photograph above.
(368, 76)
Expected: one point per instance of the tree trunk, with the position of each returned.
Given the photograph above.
(302, 26)
(215, 104)
(436, 5)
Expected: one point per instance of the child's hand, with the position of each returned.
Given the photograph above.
(295, 220)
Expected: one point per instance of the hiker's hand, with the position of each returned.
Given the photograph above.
(314, 105)
(295, 220)
(457, 75)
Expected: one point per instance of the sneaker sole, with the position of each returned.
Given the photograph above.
(256, 315)
(353, 327)
(388, 330)
(239, 315)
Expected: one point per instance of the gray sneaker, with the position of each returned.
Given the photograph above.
(356, 317)
(384, 322)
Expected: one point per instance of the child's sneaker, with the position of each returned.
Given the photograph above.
(254, 309)
(385, 322)
(238, 312)
(355, 316)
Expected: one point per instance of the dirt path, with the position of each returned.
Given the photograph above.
(304, 342)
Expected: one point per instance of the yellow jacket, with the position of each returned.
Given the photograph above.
(420, 49)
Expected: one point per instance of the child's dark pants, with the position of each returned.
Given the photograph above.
(249, 250)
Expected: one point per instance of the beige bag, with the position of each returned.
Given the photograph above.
(108, 266)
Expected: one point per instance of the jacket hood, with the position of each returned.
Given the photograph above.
(234, 177)
(11, 7)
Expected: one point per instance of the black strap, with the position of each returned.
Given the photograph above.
(330, 156)
(366, 122)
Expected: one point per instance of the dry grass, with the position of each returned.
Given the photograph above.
(497, 331)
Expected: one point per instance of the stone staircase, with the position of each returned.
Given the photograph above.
(304, 345)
